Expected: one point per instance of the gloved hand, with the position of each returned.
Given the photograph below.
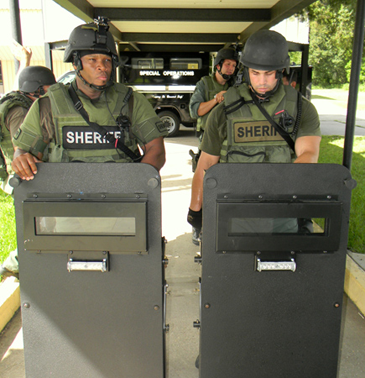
(305, 226)
(195, 218)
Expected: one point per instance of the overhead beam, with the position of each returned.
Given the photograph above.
(179, 37)
(59, 45)
(295, 46)
(286, 8)
(84, 10)
(80, 8)
(172, 48)
(184, 14)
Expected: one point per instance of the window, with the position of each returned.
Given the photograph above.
(147, 63)
(185, 63)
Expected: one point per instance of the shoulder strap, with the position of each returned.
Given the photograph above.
(283, 134)
(46, 121)
(299, 114)
(236, 105)
(101, 130)
(130, 107)
(237, 101)
(208, 86)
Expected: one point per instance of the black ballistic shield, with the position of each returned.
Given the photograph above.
(271, 294)
(91, 268)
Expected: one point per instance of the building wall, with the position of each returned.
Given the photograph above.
(9, 71)
(58, 24)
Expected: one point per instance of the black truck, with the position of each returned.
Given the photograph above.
(167, 80)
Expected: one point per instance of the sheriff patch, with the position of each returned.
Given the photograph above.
(258, 131)
(85, 138)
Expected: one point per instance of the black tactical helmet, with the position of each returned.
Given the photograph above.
(225, 53)
(34, 77)
(266, 50)
(93, 37)
(88, 39)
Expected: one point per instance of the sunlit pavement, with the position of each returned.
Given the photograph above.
(332, 109)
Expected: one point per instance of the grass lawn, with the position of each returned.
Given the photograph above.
(7, 225)
(332, 152)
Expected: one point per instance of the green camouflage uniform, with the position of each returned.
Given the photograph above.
(61, 134)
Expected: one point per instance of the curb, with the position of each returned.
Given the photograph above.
(9, 300)
(355, 279)
(354, 287)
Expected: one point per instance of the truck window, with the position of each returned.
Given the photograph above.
(185, 64)
(147, 63)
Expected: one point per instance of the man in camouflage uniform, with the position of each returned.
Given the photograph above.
(93, 119)
(208, 93)
(238, 131)
(34, 82)
(210, 90)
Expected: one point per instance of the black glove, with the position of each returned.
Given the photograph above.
(305, 226)
(195, 218)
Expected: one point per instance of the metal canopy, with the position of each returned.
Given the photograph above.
(208, 25)
(197, 25)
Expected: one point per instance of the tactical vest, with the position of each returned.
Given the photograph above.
(75, 140)
(212, 87)
(6, 103)
(250, 136)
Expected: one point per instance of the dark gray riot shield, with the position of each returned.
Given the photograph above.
(91, 271)
(271, 294)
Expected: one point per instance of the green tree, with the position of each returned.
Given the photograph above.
(331, 40)
(362, 71)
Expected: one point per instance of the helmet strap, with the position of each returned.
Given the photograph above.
(93, 86)
(225, 76)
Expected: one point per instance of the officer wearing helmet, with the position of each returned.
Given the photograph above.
(93, 119)
(34, 81)
(210, 90)
(208, 93)
(259, 121)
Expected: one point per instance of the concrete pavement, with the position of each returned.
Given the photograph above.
(333, 112)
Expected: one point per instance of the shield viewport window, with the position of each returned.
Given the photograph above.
(82, 226)
(258, 226)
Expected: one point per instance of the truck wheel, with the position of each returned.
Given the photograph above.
(172, 122)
